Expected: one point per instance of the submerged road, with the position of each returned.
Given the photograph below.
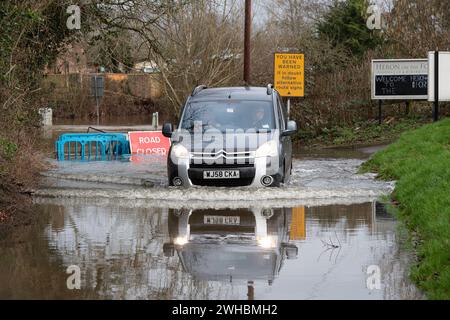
(320, 236)
(313, 182)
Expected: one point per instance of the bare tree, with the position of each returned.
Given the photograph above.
(415, 27)
(200, 44)
(192, 41)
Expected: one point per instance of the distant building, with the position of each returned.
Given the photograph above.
(72, 60)
(146, 67)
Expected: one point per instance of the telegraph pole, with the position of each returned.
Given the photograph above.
(247, 37)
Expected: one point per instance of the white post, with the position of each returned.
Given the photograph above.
(155, 121)
(46, 116)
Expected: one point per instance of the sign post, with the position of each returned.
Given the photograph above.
(380, 112)
(439, 75)
(289, 76)
(436, 87)
(97, 89)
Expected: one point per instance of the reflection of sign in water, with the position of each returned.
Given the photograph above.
(148, 143)
(298, 227)
(400, 79)
(153, 160)
(289, 74)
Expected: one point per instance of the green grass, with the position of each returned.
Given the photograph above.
(360, 133)
(420, 162)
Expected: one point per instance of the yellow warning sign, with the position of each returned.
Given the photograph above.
(298, 227)
(289, 74)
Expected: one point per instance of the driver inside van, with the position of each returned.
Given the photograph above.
(259, 121)
(210, 120)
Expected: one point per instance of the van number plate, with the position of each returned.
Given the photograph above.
(222, 220)
(221, 174)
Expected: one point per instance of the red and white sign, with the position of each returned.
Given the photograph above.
(149, 143)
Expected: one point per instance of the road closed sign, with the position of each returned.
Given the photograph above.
(148, 143)
(289, 74)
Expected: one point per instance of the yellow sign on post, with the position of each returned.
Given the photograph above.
(289, 74)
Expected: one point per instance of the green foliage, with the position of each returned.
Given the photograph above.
(345, 25)
(31, 38)
(8, 149)
(420, 161)
(32, 35)
(12, 19)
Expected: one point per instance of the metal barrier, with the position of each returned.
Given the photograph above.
(92, 146)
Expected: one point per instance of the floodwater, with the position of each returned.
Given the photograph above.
(322, 236)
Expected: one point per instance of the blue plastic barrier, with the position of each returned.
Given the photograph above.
(92, 146)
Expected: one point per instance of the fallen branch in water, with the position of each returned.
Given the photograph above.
(330, 244)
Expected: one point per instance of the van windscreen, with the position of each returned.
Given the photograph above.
(226, 115)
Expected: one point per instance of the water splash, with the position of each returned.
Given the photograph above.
(313, 182)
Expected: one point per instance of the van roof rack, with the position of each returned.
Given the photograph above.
(198, 89)
(269, 89)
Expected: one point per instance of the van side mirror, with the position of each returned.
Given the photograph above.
(291, 128)
(167, 130)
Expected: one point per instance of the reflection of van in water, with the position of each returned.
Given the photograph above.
(237, 136)
(242, 244)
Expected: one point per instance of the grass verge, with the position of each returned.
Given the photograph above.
(360, 133)
(420, 162)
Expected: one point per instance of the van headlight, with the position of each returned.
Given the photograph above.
(180, 152)
(180, 241)
(268, 149)
(267, 242)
